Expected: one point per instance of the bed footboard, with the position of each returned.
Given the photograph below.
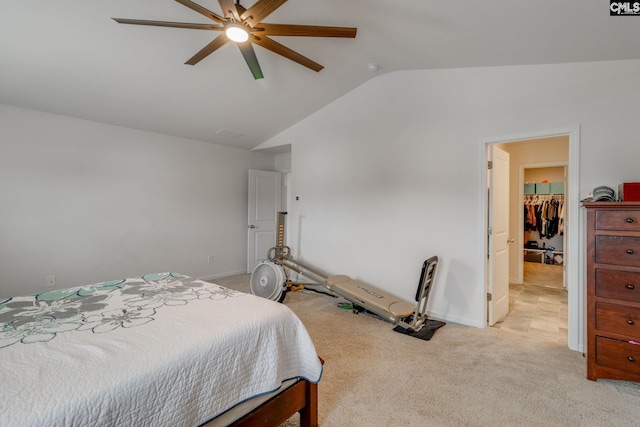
(301, 397)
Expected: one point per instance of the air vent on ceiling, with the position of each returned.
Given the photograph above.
(229, 134)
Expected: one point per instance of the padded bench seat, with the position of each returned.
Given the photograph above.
(369, 297)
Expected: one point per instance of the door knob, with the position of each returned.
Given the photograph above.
(252, 226)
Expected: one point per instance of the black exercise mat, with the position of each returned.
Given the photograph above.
(425, 333)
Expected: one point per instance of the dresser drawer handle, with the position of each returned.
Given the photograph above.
(630, 287)
(629, 220)
(631, 251)
(631, 359)
(630, 322)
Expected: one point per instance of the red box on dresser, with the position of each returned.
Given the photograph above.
(629, 192)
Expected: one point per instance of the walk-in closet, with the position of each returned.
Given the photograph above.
(544, 216)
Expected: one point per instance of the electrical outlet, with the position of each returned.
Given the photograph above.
(210, 259)
(50, 281)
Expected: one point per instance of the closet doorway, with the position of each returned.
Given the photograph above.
(543, 225)
(538, 292)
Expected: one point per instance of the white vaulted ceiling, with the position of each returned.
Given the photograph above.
(69, 57)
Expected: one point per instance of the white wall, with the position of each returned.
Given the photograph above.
(282, 162)
(89, 202)
(391, 173)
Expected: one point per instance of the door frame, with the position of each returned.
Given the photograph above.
(575, 240)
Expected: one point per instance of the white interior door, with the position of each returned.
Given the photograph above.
(498, 230)
(265, 202)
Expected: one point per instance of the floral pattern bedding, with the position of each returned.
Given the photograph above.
(162, 349)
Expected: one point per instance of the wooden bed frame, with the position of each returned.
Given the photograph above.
(301, 397)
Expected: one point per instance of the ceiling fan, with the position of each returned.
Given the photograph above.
(245, 27)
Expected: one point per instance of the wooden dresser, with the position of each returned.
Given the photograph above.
(613, 290)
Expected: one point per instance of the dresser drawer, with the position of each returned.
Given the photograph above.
(618, 355)
(621, 220)
(623, 285)
(618, 250)
(618, 319)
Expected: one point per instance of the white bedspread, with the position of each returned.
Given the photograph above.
(164, 349)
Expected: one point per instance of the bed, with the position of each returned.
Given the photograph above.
(161, 349)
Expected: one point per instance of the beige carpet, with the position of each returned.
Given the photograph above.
(463, 377)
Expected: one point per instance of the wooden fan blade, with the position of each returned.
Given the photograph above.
(251, 59)
(208, 49)
(202, 10)
(169, 24)
(260, 10)
(229, 9)
(280, 49)
(305, 30)
(241, 9)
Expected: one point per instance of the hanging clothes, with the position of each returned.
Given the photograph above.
(544, 214)
(530, 221)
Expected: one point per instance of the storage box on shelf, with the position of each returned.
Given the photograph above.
(613, 290)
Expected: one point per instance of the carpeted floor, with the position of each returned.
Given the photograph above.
(463, 376)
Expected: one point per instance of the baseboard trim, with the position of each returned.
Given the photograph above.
(221, 275)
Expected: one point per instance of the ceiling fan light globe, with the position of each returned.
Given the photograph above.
(236, 33)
